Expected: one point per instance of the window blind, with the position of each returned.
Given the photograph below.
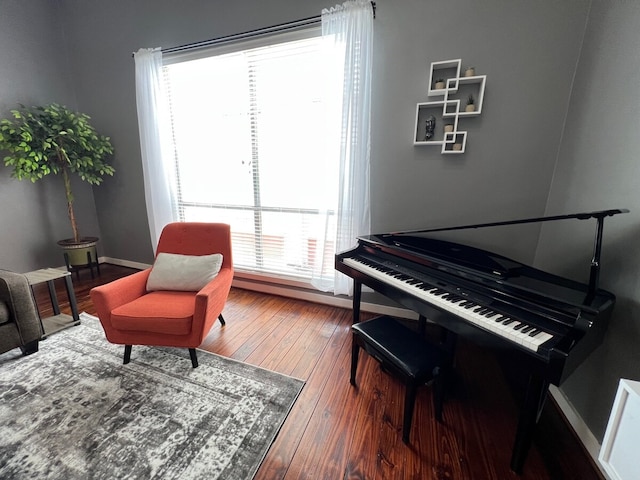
(255, 136)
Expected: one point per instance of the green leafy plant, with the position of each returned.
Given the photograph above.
(52, 139)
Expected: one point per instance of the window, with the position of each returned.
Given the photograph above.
(256, 144)
(296, 117)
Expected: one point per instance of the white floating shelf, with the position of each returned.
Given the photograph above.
(448, 111)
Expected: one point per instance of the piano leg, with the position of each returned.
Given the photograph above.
(357, 295)
(422, 325)
(535, 397)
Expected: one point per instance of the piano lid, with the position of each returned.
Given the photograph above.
(598, 215)
(484, 267)
(471, 257)
(468, 260)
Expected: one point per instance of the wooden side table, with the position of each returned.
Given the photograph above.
(59, 321)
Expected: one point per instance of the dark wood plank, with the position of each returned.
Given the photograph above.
(337, 431)
(371, 395)
(323, 451)
(236, 342)
(287, 445)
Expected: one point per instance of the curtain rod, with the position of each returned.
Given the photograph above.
(305, 22)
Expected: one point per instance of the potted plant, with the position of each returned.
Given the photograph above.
(471, 104)
(469, 72)
(53, 140)
(439, 83)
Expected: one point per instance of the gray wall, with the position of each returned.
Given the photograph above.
(102, 37)
(34, 70)
(528, 50)
(598, 168)
(512, 147)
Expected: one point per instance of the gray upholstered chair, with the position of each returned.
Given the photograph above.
(20, 324)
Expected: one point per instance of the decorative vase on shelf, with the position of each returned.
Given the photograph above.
(470, 72)
(471, 104)
(439, 84)
(457, 147)
(448, 128)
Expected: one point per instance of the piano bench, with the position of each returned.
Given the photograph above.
(406, 356)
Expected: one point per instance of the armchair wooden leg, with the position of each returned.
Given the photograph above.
(127, 354)
(194, 357)
(221, 318)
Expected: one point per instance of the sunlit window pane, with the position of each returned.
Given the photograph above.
(255, 138)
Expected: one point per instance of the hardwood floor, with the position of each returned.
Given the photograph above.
(336, 431)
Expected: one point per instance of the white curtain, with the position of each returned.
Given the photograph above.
(350, 25)
(152, 125)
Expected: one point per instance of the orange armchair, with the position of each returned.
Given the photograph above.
(131, 315)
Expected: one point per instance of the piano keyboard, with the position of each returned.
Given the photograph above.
(509, 328)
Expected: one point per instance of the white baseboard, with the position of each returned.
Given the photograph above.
(319, 297)
(576, 422)
(115, 261)
(124, 263)
(285, 291)
(583, 433)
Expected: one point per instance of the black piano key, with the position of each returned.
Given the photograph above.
(458, 299)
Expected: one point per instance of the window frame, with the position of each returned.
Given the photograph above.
(263, 40)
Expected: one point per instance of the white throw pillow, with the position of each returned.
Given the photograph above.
(172, 271)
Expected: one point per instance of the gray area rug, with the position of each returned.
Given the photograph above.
(74, 411)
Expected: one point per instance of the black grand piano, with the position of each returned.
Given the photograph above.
(550, 323)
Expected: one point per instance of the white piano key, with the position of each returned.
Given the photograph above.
(436, 296)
